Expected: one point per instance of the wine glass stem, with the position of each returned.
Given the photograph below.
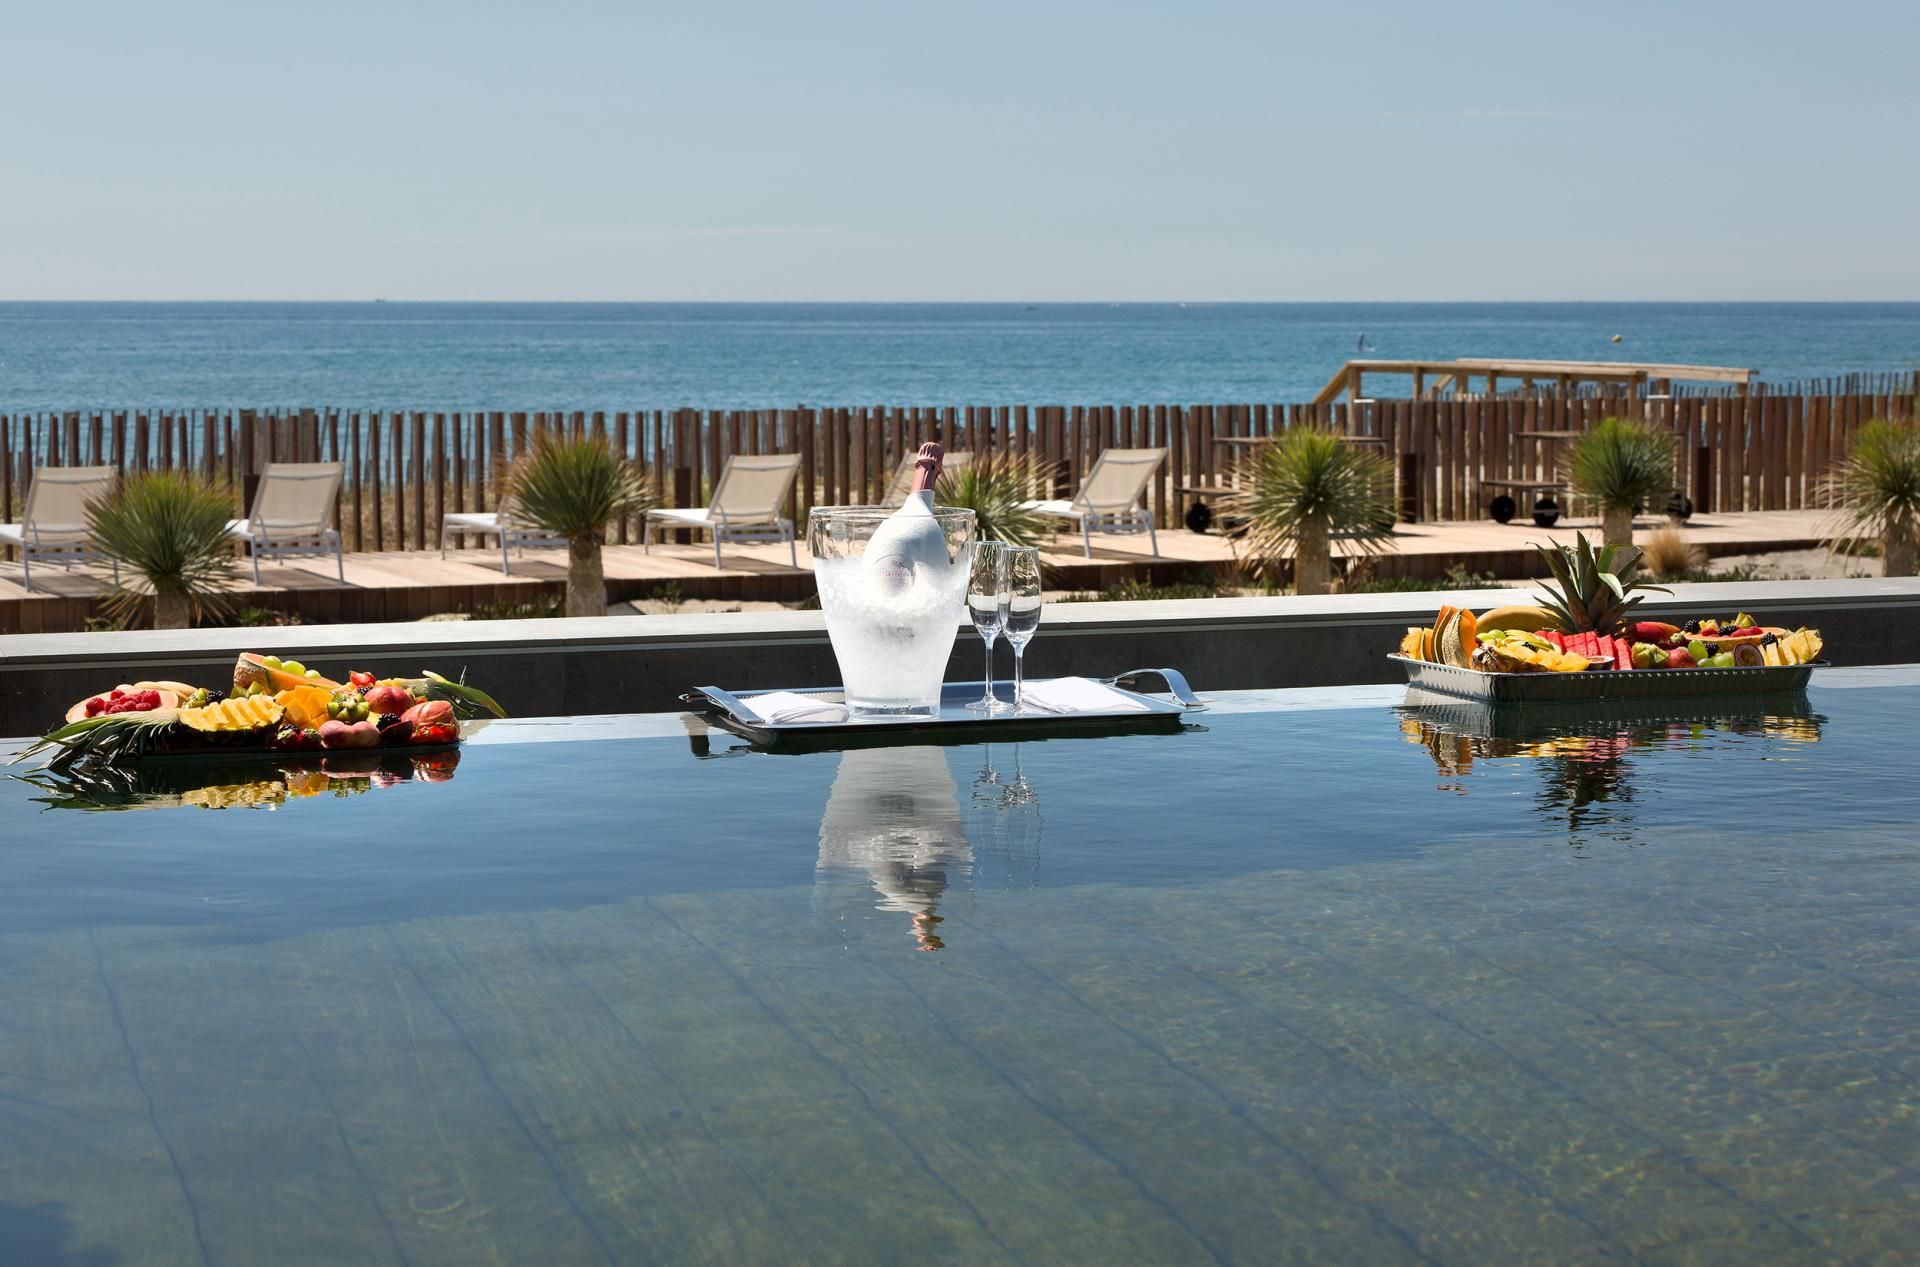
(1019, 673)
(988, 643)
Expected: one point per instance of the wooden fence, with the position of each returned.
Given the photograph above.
(406, 468)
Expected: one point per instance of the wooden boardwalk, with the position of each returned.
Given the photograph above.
(397, 585)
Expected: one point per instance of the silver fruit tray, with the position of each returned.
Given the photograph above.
(955, 721)
(1603, 684)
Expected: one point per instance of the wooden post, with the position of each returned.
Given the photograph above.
(439, 478)
(417, 476)
(1702, 479)
(373, 470)
(359, 528)
(1410, 488)
(397, 434)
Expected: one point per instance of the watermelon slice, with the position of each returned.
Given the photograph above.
(1622, 653)
(1558, 639)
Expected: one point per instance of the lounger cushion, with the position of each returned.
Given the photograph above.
(49, 534)
(473, 521)
(689, 515)
(243, 529)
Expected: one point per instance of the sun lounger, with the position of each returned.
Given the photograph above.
(293, 515)
(749, 504)
(1110, 497)
(514, 533)
(53, 525)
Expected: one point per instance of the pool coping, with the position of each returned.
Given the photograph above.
(643, 663)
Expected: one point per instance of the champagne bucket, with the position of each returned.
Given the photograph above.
(893, 587)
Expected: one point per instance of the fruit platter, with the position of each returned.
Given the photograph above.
(274, 708)
(248, 781)
(1581, 642)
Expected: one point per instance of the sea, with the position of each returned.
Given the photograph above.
(77, 356)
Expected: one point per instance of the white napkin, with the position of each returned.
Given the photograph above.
(1077, 695)
(786, 707)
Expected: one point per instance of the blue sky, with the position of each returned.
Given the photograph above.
(1037, 151)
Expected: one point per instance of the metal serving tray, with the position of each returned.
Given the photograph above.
(1603, 684)
(734, 710)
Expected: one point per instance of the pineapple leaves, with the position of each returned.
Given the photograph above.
(470, 701)
(1592, 589)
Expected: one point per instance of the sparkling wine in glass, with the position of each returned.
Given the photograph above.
(1022, 608)
(987, 604)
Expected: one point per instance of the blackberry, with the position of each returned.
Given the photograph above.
(215, 695)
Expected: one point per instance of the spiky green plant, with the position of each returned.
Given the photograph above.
(169, 529)
(572, 487)
(995, 487)
(1593, 589)
(1302, 489)
(1621, 465)
(109, 739)
(1875, 491)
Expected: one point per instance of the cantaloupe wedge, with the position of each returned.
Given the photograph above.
(251, 668)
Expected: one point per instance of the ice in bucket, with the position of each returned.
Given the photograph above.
(893, 586)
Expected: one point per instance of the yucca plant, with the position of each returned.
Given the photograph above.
(1622, 465)
(1303, 488)
(1593, 589)
(995, 486)
(169, 529)
(572, 487)
(1875, 491)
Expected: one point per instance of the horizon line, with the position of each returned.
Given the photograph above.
(982, 303)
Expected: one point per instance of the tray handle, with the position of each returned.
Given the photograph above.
(1175, 680)
(725, 701)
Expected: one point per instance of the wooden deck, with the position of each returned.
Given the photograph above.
(395, 585)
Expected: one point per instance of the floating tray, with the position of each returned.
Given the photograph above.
(1603, 684)
(954, 722)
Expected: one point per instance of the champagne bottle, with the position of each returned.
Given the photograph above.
(911, 538)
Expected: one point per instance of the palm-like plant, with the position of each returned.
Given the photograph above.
(1303, 488)
(1875, 491)
(170, 530)
(996, 488)
(572, 488)
(1623, 465)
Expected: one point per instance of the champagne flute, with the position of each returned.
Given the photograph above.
(987, 604)
(1023, 603)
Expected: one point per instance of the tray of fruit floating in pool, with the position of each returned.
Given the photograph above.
(273, 709)
(1581, 642)
(1054, 706)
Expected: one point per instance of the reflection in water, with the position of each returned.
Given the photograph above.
(894, 817)
(1584, 751)
(237, 783)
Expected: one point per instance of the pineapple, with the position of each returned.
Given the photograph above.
(1591, 587)
(249, 712)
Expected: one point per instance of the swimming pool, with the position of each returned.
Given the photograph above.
(1318, 980)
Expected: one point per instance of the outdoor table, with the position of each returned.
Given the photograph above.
(1548, 487)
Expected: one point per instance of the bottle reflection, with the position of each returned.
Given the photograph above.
(894, 817)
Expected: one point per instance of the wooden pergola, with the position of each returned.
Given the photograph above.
(1430, 378)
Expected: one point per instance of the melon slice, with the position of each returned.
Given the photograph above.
(252, 667)
(170, 697)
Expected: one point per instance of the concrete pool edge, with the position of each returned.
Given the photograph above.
(643, 663)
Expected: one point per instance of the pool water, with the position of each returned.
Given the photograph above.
(1319, 979)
